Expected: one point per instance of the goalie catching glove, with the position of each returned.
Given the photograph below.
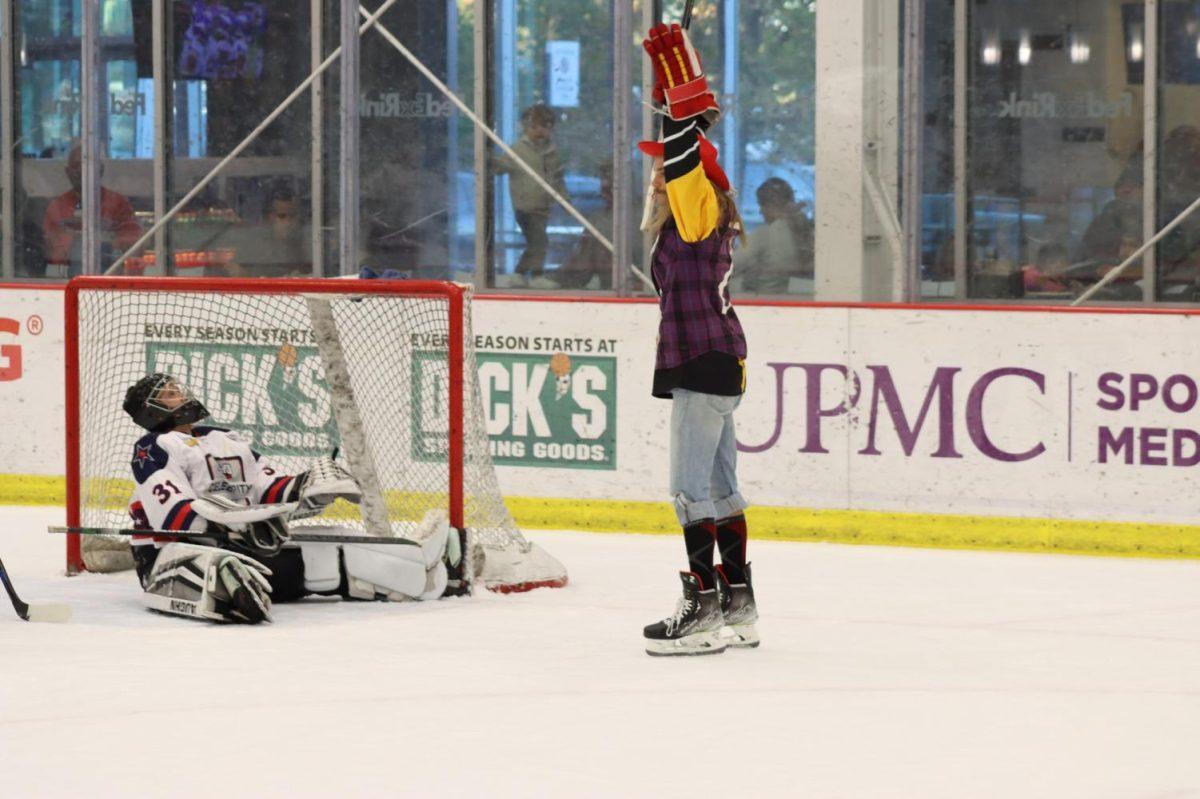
(324, 483)
(209, 583)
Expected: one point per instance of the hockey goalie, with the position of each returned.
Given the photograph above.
(200, 479)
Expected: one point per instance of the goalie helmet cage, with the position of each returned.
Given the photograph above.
(384, 371)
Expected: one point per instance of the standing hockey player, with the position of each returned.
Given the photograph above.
(700, 364)
(202, 479)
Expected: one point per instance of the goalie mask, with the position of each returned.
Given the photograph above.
(159, 403)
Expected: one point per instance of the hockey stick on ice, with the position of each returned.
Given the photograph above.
(53, 612)
(300, 538)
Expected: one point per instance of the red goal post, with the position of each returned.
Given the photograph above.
(361, 364)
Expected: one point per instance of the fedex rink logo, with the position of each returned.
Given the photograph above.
(554, 409)
(1007, 414)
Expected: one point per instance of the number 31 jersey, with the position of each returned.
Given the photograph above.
(172, 469)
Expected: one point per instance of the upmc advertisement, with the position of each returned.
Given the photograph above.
(1005, 413)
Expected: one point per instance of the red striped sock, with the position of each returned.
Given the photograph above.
(731, 538)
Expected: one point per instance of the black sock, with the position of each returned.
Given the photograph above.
(700, 538)
(731, 537)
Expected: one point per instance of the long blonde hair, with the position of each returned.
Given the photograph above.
(729, 217)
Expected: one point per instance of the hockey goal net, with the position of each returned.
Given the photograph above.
(383, 372)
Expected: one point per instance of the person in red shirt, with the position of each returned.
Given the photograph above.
(62, 225)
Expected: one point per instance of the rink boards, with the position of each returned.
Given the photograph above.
(1019, 428)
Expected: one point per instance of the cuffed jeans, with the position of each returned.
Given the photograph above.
(704, 457)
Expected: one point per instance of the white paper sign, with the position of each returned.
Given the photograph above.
(564, 73)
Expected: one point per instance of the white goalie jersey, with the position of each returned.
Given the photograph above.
(173, 469)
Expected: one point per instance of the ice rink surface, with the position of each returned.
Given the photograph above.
(883, 673)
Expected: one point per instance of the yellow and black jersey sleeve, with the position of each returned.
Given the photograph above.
(693, 199)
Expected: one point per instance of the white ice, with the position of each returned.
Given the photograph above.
(883, 673)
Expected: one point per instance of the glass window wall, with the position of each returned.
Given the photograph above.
(1052, 164)
(1034, 178)
(46, 124)
(416, 210)
(230, 63)
(552, 80)
(1176, 167)
(759, 56)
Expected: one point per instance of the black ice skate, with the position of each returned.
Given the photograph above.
(695, 626)
(739, 611)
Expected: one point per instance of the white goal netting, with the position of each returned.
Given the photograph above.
(298, 374)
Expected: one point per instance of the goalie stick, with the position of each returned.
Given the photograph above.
(53, 612)
(299, 538)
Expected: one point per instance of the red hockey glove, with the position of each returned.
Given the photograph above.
(678, 70)
(657, 94)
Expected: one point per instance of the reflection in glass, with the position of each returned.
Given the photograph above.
(1178, 162)
(230, 63)
(1054, 151)
(554, 99)
(410, 169)
(759, 56)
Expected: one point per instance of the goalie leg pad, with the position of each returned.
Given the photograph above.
(372, 571)
(209, 583)
(397, 572)
(322, 567)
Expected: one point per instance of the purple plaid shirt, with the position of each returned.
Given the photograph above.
(692, 282)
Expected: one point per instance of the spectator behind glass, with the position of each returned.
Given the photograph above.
(31, 249)
(1119, 223)
(781, 248)
(1049, 272)
(280, 246)
(62, 225)
(531, 203)
(589, 266)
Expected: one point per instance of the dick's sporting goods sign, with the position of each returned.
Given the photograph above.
(274, 394)
(540, 409)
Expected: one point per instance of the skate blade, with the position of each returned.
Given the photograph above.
(708, 643)
(740, 636)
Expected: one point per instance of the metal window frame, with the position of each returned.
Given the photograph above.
(912, 131)
(89, 139)
(485, 108)
(622, 230)
(316, 189)
(962, 51)
(1150, 128)
(164, 110)
(7, 156)
(348, 158)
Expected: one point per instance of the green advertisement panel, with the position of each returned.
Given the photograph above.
(274, 395)
(540, 409)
